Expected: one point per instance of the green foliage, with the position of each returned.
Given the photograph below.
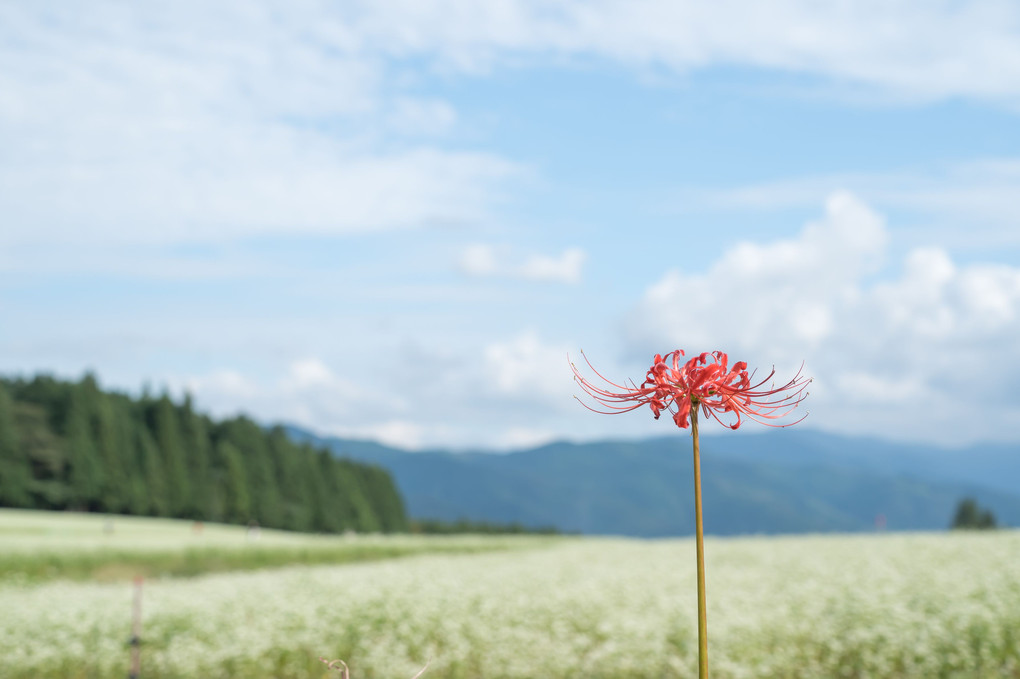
(461, 526)
(14, 470)
(970, 516)
(295, 510)
(84, 469)
(198, 451)
(113, 453)
(255, 470)
(46, 455)
(167, 430)
(236, 502)
(66, 445)
(151, 466)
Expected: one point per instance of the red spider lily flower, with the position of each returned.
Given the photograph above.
(706, 381)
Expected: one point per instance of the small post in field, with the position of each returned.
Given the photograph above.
(136, 631)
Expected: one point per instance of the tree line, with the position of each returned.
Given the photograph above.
(443, 527)
(71, 445)
(971, 516)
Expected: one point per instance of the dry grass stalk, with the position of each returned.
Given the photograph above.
(345, 672)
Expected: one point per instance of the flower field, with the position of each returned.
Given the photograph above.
(38, 545)
(888, 605)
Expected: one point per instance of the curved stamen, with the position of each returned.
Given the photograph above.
(704, 381)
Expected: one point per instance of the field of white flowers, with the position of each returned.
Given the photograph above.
(889, 605)
(38, 545)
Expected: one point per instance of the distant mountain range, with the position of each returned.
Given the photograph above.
(785, 481)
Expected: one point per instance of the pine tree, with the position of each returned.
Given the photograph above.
(71, 445)
(197, 453)
(15, 473)
(352, 488)
(316, 490)
(135, 494)
(167, 432)
(53, 396)
(288, 464)
(85, 469)
(969, 515)
(236, 499)
(114, 452)
(368, 519)
(386, 502)
(335, 515)
(344, 492)
(264, 493)
(153, 472)
(44, 450)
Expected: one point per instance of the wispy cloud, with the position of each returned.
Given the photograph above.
(193, 124)
(912, 49)
(982, 186)
(525, 366)
(489, 260)
(978, 193)
(500, 394)
(565, 269)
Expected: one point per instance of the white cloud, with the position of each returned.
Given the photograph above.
(516, 438)
(944, 303)
(397, 433)
(911, 49)
(917, 302)
(479, 260)
(227, 386)
(503, 394)
(265, 191)
(780, 292)
(422, 116)
(193, 121)
(563, 269)
(991, 294)
(488, 260)
(154, 124)
(527, 367)
(979, 193)
(868, 389)
(313, 374)
(898, 357)
(307, 392)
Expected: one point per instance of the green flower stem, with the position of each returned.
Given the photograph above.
(700, 536)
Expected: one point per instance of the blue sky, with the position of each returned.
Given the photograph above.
(394, 220)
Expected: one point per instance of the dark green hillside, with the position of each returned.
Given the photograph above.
(70, 445)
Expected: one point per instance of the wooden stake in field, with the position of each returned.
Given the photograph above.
(705, 382)
(136, 631)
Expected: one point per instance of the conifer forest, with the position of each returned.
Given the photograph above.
(73, 446)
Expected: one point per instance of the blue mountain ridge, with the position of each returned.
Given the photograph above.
(784, 481)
